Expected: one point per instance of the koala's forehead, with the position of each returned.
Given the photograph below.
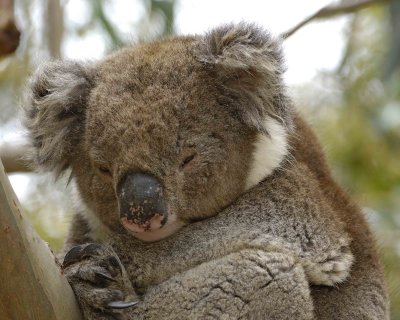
(144, 92)
(164, 63)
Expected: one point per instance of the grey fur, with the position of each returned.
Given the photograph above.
(56, 103)
(249, 63)
(292, 247)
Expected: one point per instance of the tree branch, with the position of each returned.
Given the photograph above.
(32, 284)
(55, 27)
(13, 157)
(333, 10)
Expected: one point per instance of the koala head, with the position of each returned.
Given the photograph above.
(163, 134)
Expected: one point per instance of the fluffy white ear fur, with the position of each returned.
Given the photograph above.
(55, 105)
(249, 63)
(269, 151)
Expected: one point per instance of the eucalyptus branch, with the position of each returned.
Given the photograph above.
(55, 27)
(13, 157)
(334, 10)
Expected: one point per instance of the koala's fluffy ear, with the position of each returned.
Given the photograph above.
(249, 64)
(55, 112)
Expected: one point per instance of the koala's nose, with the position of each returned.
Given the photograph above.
(141, 202)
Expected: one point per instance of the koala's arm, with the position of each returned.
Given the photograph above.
(297, 217)
(250, 284)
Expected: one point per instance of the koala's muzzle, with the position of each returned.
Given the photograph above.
(141, 203)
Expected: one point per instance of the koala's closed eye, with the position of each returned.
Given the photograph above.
(103, 170)
(187, 161)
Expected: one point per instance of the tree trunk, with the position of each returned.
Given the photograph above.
(32, 285)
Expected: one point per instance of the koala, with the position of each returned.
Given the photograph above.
(201, 193)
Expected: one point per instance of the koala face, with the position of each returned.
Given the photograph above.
(163, 134)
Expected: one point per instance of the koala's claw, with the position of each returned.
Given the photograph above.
(99, 280)
(72, 256)
(104, 276)
(122, 304)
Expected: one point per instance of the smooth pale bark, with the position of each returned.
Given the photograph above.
(13, 156)
(55, 27)
(32, 286)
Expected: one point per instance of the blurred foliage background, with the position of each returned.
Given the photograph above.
(355, 108)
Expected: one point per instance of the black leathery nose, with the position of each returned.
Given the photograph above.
(140, 197)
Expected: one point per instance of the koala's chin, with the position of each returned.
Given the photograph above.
(154, 234)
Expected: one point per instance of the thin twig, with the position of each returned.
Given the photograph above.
(334, 10)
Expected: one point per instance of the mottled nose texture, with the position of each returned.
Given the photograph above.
(141, 203)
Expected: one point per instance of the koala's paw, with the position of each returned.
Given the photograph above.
(99, 281)
(330, 268)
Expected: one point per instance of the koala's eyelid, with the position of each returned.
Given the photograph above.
(100, 163)
(187, 160)
(191, 145)
(102, 167)
(104, 170)
(98, 160)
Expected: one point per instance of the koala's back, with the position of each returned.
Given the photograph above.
(365, 290)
